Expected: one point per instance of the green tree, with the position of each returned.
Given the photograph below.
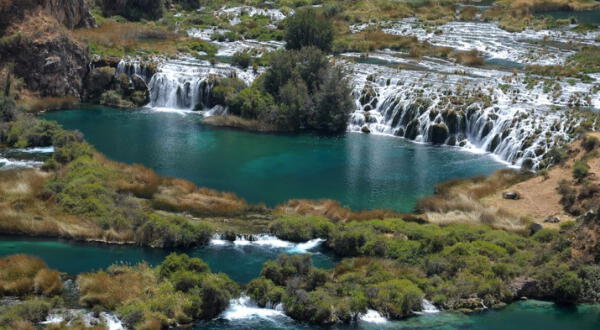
(307, 27)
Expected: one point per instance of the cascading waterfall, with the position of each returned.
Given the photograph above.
(187, 83)
(485, 110)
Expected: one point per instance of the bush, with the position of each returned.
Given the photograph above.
(580, 170)
(567, 288)
(299, 229)
(242, 59)
(134, 10)
(251, 103)
(308, 28)
(590, 143)
(396, 299)
(172, 231)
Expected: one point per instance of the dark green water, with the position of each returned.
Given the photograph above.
(362, 171)
(241, 263)
(582, 17)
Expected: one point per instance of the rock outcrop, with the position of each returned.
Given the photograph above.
(70, 13)
(45, 55)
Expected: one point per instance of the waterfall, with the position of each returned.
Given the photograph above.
(244, 308)
(428, 307)
(482, 110)
(269, 241)
(373, 316)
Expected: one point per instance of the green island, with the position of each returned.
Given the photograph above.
(299, 164)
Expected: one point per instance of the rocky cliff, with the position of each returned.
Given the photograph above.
(49, 60)
(70, 13)
(38, 46)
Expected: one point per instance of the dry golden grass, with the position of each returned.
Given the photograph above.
(177, 195)
(330, 209)
(470, 58)
(22, 274)
(240, 123)
(111, 289)
(459, 201)
(38, 104)
(114, 38)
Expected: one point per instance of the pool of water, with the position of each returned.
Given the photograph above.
(241, 262)
(582, 17)
(362, 171)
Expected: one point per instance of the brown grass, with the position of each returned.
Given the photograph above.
(114, 38)
(177, 195)
(470, 58)
(111, 289)
(330, 209)
(47, 282)
(39, 104)
(459, 201)
(237, 122)
(21, 274)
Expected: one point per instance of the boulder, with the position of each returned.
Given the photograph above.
(511, 195)
(438, 133)
(525, 287)
(534, 227)
(365, 129)
(552, 219)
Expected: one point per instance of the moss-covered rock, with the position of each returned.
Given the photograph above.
(438, 133)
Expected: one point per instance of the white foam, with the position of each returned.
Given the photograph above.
(111, 321)
(244, 308)
(37, 150)
(9, 164)
(269, 241)
(428, 308)
(373, 316)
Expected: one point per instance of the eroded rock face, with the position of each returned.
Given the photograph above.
(70, 13)
(46, 56)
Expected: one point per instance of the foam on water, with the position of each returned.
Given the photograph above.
(9, 164)
(36, 150)
(269, 241)
(373, 316)
(89, 320)
(544, 47)
(244, 308)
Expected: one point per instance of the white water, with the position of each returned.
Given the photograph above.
(493, 41)
(89, 320)
(186, 83)
(373, 316)
(483, 110)
(479, 109)
(269, 241)
(428, 308)
(9, 164)
(36, 150)
(244, 308)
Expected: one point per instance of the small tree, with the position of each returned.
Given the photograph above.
(590, 143)
(308, 28)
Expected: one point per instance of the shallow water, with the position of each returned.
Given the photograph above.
(582, 17)
(362, 171)
(242, 262)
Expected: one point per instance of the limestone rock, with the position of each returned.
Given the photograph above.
(511, 195)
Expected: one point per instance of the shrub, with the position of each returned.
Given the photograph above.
(243, 59)
(308, 28)
(567, 288)
(396, 299)
(172, 231)
(134, 10)
(264, 292)
(580, 170)
(251, 103)
(590, 143)
(299, 229)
